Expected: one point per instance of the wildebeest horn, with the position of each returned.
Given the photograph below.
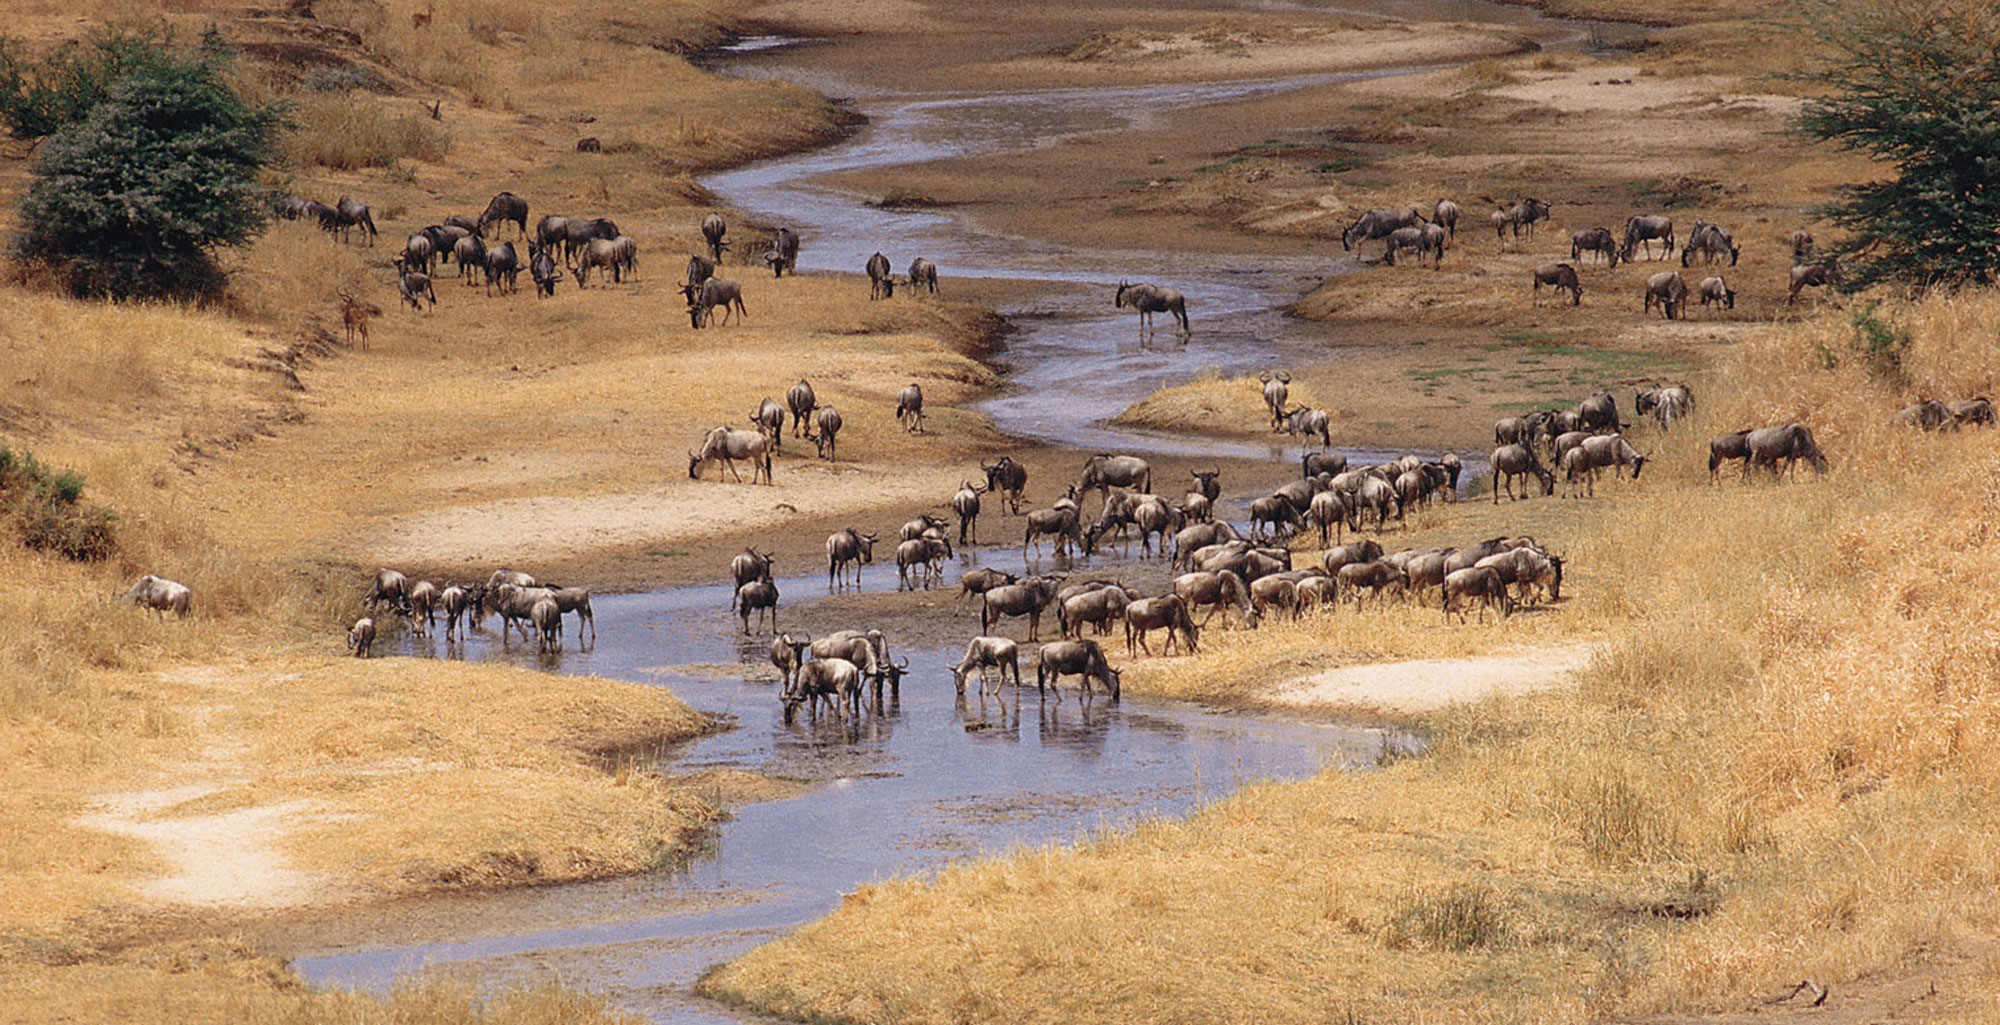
(1265, 376)
(904, 664)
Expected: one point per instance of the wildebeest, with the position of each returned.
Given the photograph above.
(977, 582)
(1009, 479)
(965, 505)
(1445, 214)
(844, 547)
(1562, 277)
(1168, 612)
(910, 408)
(756, 596)
(1376, 495)
(419, 251)
(1216, 588)
(1423, 239)
(924, 555)
(787, 655)
(1104, 471)
(1925, 414)
(470, 252)
(835, 681)
(1789, 443)
(350, 213)
(801, 401)
(784, 253)
(161, 595)
(580, 232)
(1312, 464)
(1379, 578)
(1599, 412)
(505, 206)
(550, 230)
(826, 440)
(1481, 583)
(503, 267)
(1074, 658)
(750, 565)
(713, 227)
(454, 601)
(1669, 291)
(1975, 411)
(1712, 241)
(1151, 299)
(1060, 522)
(414, 286)
(1643, 230)
(1153, 516)
(1814, 275)
(423, 598)
(923, 274)
(1277, 389)
(1724, 447)
(1715, 291)
(1518, 460)
(1667, 404)
(1308, 423)
(547, 617)
(714, 292)
(606, 254)
(542, 268)
(769, 417)
(361, 637)
(727, 445)
(880, 284)
(1599, 242)
(1096, 606)
(1000, 653)
(1802, 245)
(1026, 598)
(1378, 223)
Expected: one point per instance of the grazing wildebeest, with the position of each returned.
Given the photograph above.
(844, 547)
(1712, 241)
(1518, 460)
(1378, 223)
(1643, 230)
(1478, 582)
(606, 254)
(1975, 411)
(1790, 443)
(1277, 511)
(1600, 243)
(699, 269)
(1377, 495)
(834, 681)
(1380, 578)
(1599, 412)
(769, 417)
(1610, 450)
(1216, 588)
(414, 286)
(713, 227)
(1520, 218)
(1925, 414)
(1562, 277)
(423, 600)
(1026, 598)
(1104, 471)
(361, 637)
(1724, 447)
(1009, 479)
(1154, 516)
(503, 267)
(1445, 213)
(910, 408)
(1074, 658)
(349, 213)
(1802, 245)
(1277, 390)
(1667, 404)
(505, 206)
(880, 284)
(419, 251)
(551, 230)
(454, 601)
(728, 444)
(580, 232)
(1328, 509)
(1424, 239)
(923, 274)
(1715, 291)
(161, 595)
(1669, 291)
(1815, 275)
(1001, 653)
(1168, 612)
(965, 505)
(1151, 299)
(784, 253)
(828, 420)
(542, 268)
(801, 401)
(714, 292)
(1060, 522)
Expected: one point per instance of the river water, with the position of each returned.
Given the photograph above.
(933, 777)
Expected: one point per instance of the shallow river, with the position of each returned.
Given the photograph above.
(934, 777)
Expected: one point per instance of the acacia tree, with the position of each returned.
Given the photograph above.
(1915, 84)
(132, 200)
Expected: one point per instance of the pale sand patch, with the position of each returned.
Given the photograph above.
(1199, 56)
(1429, 684)
(225, 860)
(1622, 90)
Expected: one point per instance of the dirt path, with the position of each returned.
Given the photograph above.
(1429, 684)
(228, 860)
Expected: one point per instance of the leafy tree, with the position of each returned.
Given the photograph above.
(40, 95)
(1916, 84)
(130, 201)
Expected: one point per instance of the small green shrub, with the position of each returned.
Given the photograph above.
(46, 507)
(1457, 918)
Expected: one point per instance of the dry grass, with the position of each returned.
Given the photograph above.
(1781, 765)
(347, 131)
(1210, 404)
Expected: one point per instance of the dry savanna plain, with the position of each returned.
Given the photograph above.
(1754, 743)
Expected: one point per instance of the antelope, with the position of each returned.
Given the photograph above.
(354, 315)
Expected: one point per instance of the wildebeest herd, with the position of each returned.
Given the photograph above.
(1402, 230)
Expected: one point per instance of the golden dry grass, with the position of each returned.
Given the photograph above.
(1780, 765)
(1210, 404)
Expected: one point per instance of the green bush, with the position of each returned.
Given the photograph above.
(40, 96)
(129, 201)
(46, 507)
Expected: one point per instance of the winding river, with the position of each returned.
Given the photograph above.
(935, 777)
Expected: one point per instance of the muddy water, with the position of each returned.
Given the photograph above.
(931, 776)
(928, 778)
